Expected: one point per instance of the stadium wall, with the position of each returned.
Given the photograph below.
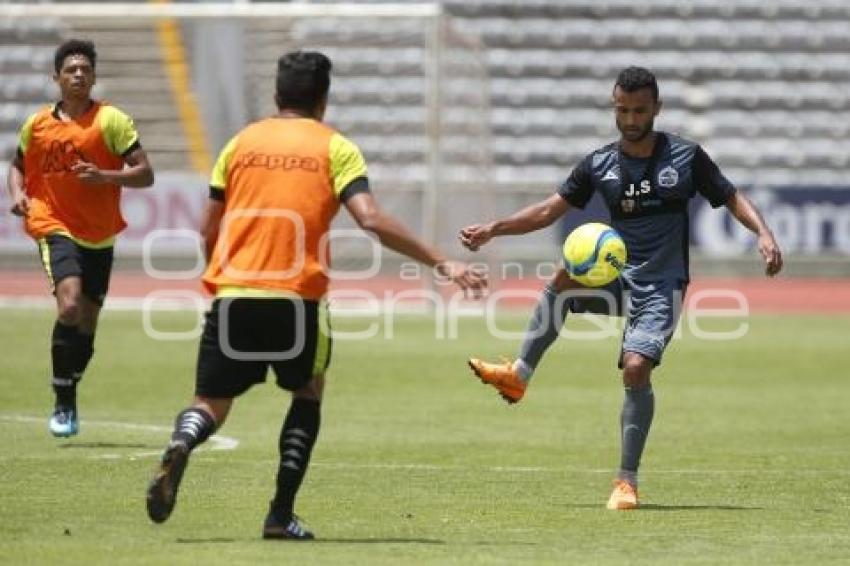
(808, 222)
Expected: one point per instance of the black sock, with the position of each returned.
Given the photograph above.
(297, 437)
(192, 427)
(83, 350)
(62, 354)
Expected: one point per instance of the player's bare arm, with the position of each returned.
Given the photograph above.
(137, 175)
(15, 185)
(393, 234)
(747, 214)
(529, 219)
(210, 224)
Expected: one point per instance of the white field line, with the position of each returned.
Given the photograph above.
(217, 442)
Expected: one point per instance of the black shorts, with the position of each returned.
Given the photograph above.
(244, 336)
(62, 257)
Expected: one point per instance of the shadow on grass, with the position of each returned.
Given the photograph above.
(659, 507)
(110, 445)
(323, 540)
(381, 540)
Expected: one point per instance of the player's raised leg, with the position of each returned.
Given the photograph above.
(96, 273)
(84, 345)
(511, 378)
(192, 427)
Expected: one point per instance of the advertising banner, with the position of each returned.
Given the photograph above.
(806, 220)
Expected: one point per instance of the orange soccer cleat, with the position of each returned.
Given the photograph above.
(624, 496)
(501, 376)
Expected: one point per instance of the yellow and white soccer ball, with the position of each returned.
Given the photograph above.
(595, 254)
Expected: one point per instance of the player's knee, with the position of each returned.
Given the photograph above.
(69, 301)
(636, 369)
(69, 311)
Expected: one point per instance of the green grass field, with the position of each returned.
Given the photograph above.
(418, 463)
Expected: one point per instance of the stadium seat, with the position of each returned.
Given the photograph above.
(739, 76)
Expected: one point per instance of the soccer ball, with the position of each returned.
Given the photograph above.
(595, 254)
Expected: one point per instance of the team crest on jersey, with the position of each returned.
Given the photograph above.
(627, 204)
(668, 177)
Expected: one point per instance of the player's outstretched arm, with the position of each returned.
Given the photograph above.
(529, 219)
(15, 186)
(395, 235)
(137, 175)
(747, 214)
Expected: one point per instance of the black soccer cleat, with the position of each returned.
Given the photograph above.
(162, 491)
(290, 529)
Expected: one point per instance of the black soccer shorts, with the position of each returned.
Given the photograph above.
(242, 337)
(62, 257)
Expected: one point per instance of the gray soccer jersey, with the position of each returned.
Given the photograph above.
(648, 200)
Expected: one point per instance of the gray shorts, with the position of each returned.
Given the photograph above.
(651, 308)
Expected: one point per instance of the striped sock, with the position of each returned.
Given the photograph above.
(192, 427)
(297, 437)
